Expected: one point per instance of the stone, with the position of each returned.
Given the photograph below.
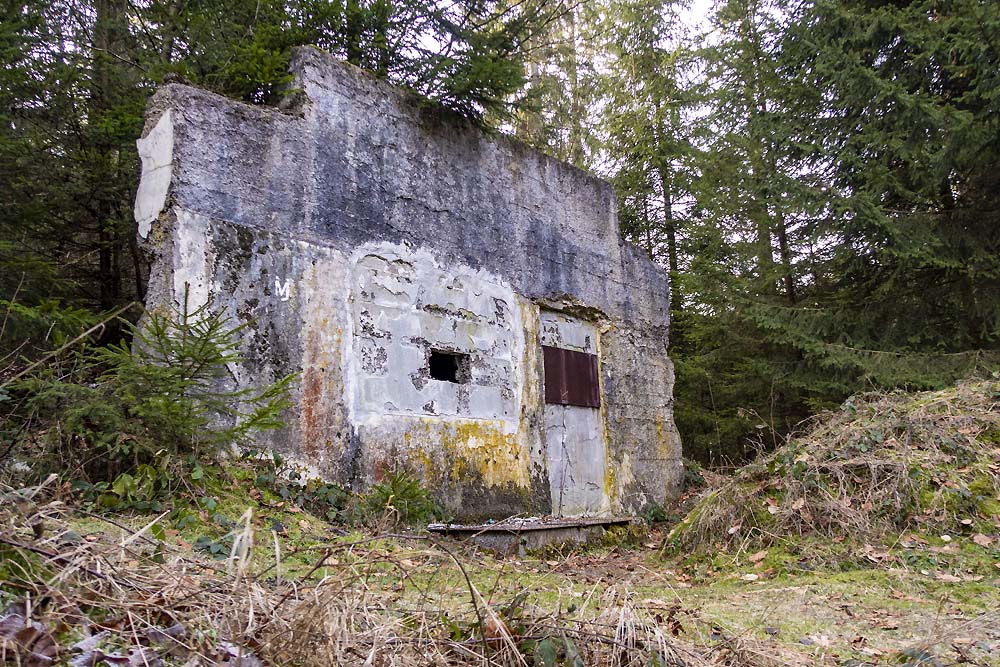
(361, 231)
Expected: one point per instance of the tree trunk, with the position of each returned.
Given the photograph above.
(663, 169)
(786, 259)
(575, 154)
(647, 228)
(670, 229)
(172, 10)
(107, 37)
(758, 155)
(381, 27)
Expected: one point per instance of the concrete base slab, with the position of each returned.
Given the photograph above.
(519, 536)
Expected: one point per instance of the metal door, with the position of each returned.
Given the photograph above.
(574, 425)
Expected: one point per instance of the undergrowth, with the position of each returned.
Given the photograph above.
(100, 593)
(249, 563)
(882, 465)
(128, 423)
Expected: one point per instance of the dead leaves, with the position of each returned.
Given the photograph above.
(31, 643)
(818, 640)
(877, 556)
(757, 559)
(138, 656)
(912, 541)
(982, 540)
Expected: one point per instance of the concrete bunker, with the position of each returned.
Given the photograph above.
(456, 304)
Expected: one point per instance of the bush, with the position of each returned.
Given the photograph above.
(112, 415)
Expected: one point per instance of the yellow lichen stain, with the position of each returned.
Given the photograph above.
(663, 439)
(611, 490)
(530, 387)
(419, 456)
(424, 458)
(610, 483)
(481, 447)
(158, 232)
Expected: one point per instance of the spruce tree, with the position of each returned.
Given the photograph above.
(905, 116)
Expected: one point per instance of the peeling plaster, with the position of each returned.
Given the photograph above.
(193, 258)
(405, 303)
(156, 150)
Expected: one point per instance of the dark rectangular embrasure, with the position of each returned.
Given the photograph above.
(449, 366)
(571, 378)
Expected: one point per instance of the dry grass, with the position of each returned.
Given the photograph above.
(125, 597)
(880, 465)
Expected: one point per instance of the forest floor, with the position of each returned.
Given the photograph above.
(102, 591)
(245, 577)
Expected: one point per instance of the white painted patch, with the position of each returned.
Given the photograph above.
(405, 302)
(283, 289)
(156, 150)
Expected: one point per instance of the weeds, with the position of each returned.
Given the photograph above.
(213, 581)
(630, 536)
(400, 500)
(136, 593)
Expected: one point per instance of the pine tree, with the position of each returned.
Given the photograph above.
(647, 110)
(562, 87)
(848, 232)
(76, 75)
(746, 240)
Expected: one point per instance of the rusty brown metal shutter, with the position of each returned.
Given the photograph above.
(571, 378)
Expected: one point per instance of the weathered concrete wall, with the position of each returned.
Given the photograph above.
(359, 232)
